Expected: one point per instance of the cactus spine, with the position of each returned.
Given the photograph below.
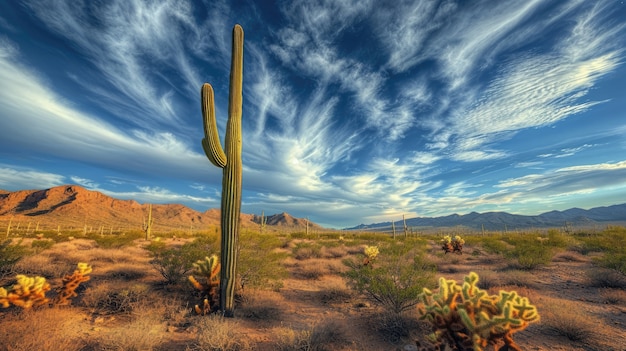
(230, 162)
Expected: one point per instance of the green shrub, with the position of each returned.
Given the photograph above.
(609, 242)
(394, 280)
(9, 255)
(529, 250)
(306, 250)
(259, 264)
(115, 241)
(494, 245)
(40, 245)
(174, 262)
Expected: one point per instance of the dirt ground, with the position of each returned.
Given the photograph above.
(124, 306)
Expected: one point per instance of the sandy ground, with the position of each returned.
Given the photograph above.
(314, 297)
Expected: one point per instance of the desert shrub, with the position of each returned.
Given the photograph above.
(298, 235)
(529, 251)
(613, 296)
(9, 255)
(335, 293)
(494, 245)
(45, 329)
(127, 272)
(566, 319)
(608, 242)
(144, 332)
(40, 245)
(337, 251)
(321, 337)
(259, 264)
(217, 333)
(603, 241)
(393, 327)
(394, 280)
(43, 265)
(175, 262)
(311, 270)
(557, 239)
(614, 260)
(606, 278)
(305, 250)
(121, 301)
(115, 241)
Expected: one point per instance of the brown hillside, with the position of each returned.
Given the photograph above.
(75, 206)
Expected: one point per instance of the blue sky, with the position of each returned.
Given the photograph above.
(354, 111)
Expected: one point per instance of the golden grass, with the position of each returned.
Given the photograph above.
(566, 319)
(219, 333)
(45, 329)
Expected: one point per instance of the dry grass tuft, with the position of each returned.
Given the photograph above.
(144, 332)
(395, 327)
(45, 329)
(219, 333)
(334, 252)
(43, 265)
(321, 337)
(606, 278)
(126, 272)
(312, 269)
(336, 293)
(565, 318)
(613, 296)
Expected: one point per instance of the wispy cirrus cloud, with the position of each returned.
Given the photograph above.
(564, 181)
(123, 40)
(28, 178)
(534, 91)
(64, 131)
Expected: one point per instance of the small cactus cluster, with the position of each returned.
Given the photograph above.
(371, 252)
(454, 245)
(209, 270)
(71, 282)
(28, 292)
(466, 318)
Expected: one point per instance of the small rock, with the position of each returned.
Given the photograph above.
(409, 347)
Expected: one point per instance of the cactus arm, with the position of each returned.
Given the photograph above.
(211, 140)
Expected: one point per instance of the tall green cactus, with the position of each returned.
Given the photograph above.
(230, 162)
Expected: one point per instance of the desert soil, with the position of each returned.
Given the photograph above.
(314, 295)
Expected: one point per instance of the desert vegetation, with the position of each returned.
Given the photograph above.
(317, 291)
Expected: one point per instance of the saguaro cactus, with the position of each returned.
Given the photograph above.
(230, 162)
(147, 226)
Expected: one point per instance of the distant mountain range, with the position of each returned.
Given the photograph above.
(505, 221)
(74, 206)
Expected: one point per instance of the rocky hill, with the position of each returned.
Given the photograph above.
(74, 206)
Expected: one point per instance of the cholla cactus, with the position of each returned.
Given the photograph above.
(28, 292)
(371, 252)
(71, 282)
(467, 318)
(450, 244)
(209, 270)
